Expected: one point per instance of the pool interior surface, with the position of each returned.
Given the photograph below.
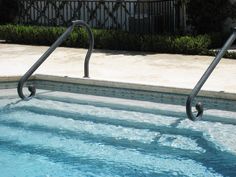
(52, 136)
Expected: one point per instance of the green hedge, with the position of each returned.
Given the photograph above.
(109, 39)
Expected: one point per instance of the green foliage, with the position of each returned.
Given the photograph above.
(8, 11)
(114, 40)
(231, 55)
(196, 46)
(157, 43)
(209, 16)
(176, 44)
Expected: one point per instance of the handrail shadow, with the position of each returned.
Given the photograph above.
(197, 88)
(61, 39)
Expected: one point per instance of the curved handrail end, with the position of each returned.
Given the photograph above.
(32, 90)
(199, 107)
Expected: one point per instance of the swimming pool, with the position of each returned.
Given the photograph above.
(65, 134)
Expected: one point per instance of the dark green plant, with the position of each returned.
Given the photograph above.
(111, 39)
(231, 55)
(190, 45)
(159, 43)
(207, 16)
(8, 11)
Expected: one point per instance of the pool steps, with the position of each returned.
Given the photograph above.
(55, 134)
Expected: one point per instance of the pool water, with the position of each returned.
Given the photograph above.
(52, 138)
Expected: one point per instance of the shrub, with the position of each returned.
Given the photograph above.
(176, 44)
(209, 16)
(111, 39)
(231, 55)
(190, 45)
(157, 43)
(8, 11)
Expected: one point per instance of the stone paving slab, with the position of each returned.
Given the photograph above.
(179, 71)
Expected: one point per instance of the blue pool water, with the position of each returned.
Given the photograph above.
(55, 139)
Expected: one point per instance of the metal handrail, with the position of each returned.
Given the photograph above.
(62, 38)
(197, 88)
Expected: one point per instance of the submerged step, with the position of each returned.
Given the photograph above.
(68, 129)
(98, 130)
(97, 111)
(78, 126)
(130, 119)
(27, 164)
(119, 157)
(173, 110)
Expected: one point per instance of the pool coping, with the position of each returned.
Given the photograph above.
(148, 98)
(122, 85)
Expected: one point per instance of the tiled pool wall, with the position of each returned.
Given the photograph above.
(12, 84)
(8, 85)
(134, 94)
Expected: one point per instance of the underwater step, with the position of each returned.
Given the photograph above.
(176, 146)
(35, 164)
(220, 112)
(75, 151)
(130, 119)
(144, 135)
(91, 110)
(97, 131)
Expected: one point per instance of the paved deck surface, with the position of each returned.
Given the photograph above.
(179, 71)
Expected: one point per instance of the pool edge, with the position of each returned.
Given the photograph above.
(122, 85)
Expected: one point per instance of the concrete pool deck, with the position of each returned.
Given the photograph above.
(179, 71)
